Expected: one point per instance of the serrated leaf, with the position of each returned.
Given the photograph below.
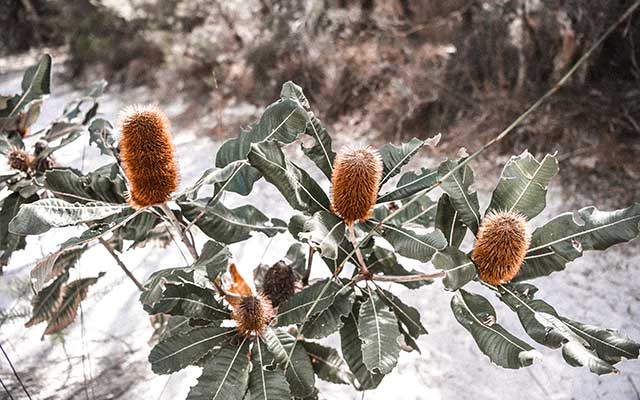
(478, 316)
(523, 185)
(328, 321)
(421, 213)
(104, 184)
(406, 315)
(352, 353)
(321, 152)
(213, 176)
(383, 261)
(282, 121)
(225, 376)
(324, 231)
(459, 267)
(265, 384)
(395, 157)
(35, 84)
(190, 300)
(40, 216)
(72, 294)
(297, 259)
(566, 237)
(449, 222)
(461, 196)
(328, 364)
(10, 242)
(299, 372)
(419, 246)
(230, 225)
(214, 258)
(47, 301)
(100, 134)
(378, 328)
(294, 183)
(156, 282)
(178, 351)
(311, 300)
(409, 184)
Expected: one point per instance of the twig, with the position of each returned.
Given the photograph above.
(15, 373)
(6, 389)
(400, 278)
(363, 266)
(111, 251)
(176, 224)
(307, 272)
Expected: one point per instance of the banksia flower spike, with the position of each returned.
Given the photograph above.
(19, 159)
(502, 242)
(148, 156)
(354, 183)
(251, 312)
(280, 283)
(354, 189)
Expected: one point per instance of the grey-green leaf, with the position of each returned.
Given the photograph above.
(462, 197)
(352, 353)
(409, 243)
(328, 321)
(449, 222)
(477, 316)
(409, 184)
(324, 231)
(378, 327)
(225, 376)
(458, 266)
(567, 236)
(265, 384)
(294, 183)
(311, 300)
(523, 185)
(395, 157)
(178, 351)
(230, 225)
(40, 216)
(385, 261)
(189, 300)
(406, 315)
(328, 364)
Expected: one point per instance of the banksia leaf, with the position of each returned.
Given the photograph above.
(502, 243)
(148, 156)
(47, 301)
(354, 183)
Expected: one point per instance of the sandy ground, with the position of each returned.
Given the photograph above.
(103, 354)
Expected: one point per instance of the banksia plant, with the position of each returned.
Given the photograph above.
(280, 283)
(354, 183)
(501, 245)
(148, 156)
(251, 312)
(19, 159)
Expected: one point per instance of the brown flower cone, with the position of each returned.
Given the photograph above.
(354, 183)
(501, 245)
(279, 283)
(252, 314)
(148, 156)
(19, 159)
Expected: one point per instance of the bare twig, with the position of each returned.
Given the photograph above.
(364, 271)
(15, 373)
(400, 278)
(111, 251)
(176, 224)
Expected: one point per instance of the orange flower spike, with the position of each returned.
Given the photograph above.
(148, 156)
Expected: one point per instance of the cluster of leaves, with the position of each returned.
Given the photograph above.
(373, 324)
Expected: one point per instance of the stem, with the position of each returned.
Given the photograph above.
(307, 273)
(356, 247)
(15, 373)
(111, 251)
(176, 224)
(507, 130)
(400, 278)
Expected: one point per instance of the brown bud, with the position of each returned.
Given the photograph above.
(148, 156)
(354, 183)
(19, 159)
(501, 245)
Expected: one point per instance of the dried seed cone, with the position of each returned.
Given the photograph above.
(19, 159)
(252, 314)
(502, 242)
(279, 283)
(354, 183)
(148, 156)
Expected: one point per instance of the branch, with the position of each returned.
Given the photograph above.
(111, 251)
(176, 224)
(307, 273)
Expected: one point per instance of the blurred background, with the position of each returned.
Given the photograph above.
(375, 71)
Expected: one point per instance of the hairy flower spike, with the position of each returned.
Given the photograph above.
(252, 314)
(19, 159)
(354, 183)
(279, 283)
(502, 242)
(148, 155)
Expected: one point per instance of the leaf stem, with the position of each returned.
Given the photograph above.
(307, 272)
(364, 271)
(121, 264)
(181, 232)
